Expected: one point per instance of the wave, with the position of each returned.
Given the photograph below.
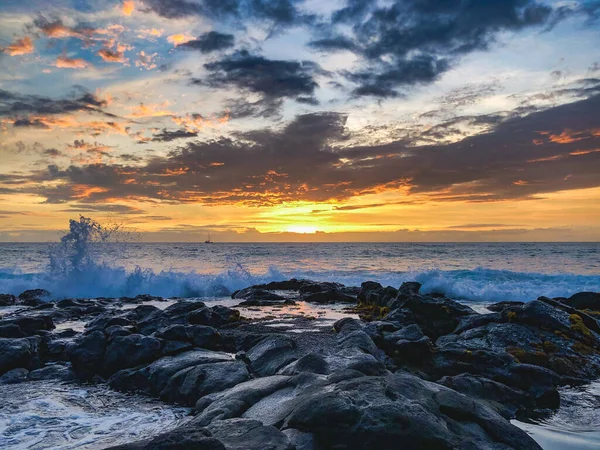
(480, 284)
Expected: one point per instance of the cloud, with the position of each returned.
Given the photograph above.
(146, 61)
(310, 159)
(179, 39)
(409, 42)
(114, 56)
(65, 62)
(28, 122)
(168, 136)
(127, 7)
(209, 42)
(14, 104)
(19, 47)
(273, 79)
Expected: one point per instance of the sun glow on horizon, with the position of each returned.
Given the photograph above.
(301, 229)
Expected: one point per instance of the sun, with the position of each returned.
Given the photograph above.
(302, 229)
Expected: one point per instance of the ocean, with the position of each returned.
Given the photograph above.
(476, 272)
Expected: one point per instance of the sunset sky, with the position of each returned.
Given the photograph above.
(282, 120)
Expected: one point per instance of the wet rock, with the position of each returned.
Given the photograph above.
(372, 293)
(193, 383)
(435, 316)
(501, 306)
(7, 300)
(409, 288)
(237, 400)
(271, 354)
(154, 377)
(86, 353)
(253, 293)
(154, 320)
(380, 412)
(182, 438)
(288, 285)
(197, 335)
(408, 344)
(175, 347)
(14, 376)
(584, 300)
(314, 287)
(329, 296)
(216, 316)
(247, 434)
(32, 325)
(311, 363)
(34, 297)
(17, 353)
(114, 331)
(59, 372)
(11, 330)
(129, 351)
(301, 440)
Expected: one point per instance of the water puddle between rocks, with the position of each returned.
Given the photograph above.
(49, 415)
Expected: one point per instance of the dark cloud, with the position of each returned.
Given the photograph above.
(210, 42)
(117, 209)
(275, 80)
(168, 136)
(409, 42)
(310, 158)
(26, 122)
(279, 12)
(14, 104)
(52, 152)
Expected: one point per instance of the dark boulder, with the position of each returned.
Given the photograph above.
(58, 372)
(32, 325)
(408, 344)
(311, 363)
(271, 354)
(17, 353)
(372, 293)
(253, 293)
(247, 434)
(288, 285)
(182, 438)
(193, 383)
(129, 351)
(381, 412)
(14, 376)
(11, 330)
(409, 288)
(86, 353)
(501, 306)
(584, 300)
(314, 287)
(34, 297)
(215, 317)
(329, 296)
(197, 335)
(7, 300)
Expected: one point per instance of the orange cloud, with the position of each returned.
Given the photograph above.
(568, 136)
(195, 122)
(152, 110)
(146, 61)
(112, 56)
(127, 7)
(178, 39)
(20, 47)
(149, 33)
(65, 62)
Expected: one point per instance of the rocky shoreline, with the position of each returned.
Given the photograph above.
(414, 371)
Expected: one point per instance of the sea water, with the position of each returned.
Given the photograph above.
(479, 272)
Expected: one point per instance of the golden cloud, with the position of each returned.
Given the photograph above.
(20, 47)
(128, 7)
(65, 62)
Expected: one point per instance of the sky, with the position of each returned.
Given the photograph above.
(302, 120)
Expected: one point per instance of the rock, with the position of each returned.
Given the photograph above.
(31, 325)
(154, 377)
(380, 412)
(129, 351)
(311, 363)
(507, 401)
(182, 438)
(314, 287)
(193, 383)
(118, 330)
(198, 335)
(435, 316)
(584, 300)
(408, 344)
(329, 296)
(156, 319)
(253, 293)
(409, 288)
(17, 353)
(289, 285)
(501, 306)
(247, 434)
(539, 314)
(34, 297)
(237, 400)
(86, 353)
(372, 293)
(7, 300)
(14, 376)
(11, 330)
(215, 316)
(271, 354)
(301, 440)
(59, 372)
